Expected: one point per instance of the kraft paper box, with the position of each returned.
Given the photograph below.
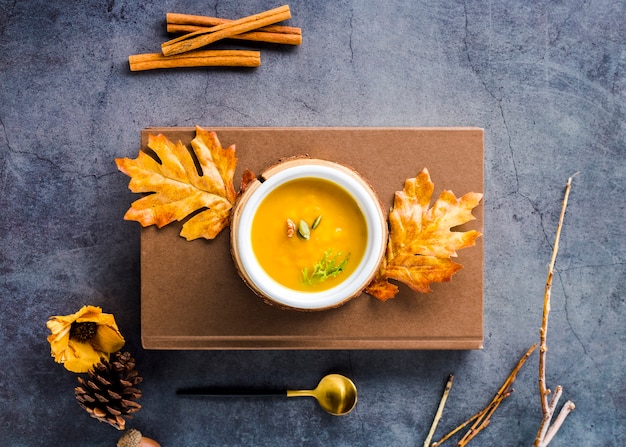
(193, 298)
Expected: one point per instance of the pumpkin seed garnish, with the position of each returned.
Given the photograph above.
(303, 230)
(291, 228)
(316, 222)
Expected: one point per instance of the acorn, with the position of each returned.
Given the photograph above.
(134, 438)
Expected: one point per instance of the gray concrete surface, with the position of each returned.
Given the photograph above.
(547, 81)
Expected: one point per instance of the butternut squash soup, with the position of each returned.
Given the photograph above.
(309, 234)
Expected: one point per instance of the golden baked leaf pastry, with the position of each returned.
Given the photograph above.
(177, 188)
(421, 240)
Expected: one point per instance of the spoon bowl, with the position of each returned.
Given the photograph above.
(335, 393)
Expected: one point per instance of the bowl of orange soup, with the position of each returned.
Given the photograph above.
(310, 234)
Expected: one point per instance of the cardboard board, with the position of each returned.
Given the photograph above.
(193, 298)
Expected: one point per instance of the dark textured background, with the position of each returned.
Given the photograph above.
(546, 79)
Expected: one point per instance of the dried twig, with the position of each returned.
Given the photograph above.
(442, 404)
(482, 418)
(547, 432)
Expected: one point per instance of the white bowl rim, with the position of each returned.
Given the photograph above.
(368, 202)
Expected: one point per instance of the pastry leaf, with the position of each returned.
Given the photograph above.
(421, 240)
(179, 182)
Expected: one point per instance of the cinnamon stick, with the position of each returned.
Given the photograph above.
(200, 58)
(187, 23)
(201, 38)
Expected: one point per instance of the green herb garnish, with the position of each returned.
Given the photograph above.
(326, 268)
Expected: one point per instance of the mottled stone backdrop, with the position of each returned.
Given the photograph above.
(545, 79)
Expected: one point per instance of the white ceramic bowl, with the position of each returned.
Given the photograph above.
(255, 276)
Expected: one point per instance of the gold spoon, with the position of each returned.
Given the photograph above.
(335, 393)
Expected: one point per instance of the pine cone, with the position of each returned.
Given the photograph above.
(109, 393)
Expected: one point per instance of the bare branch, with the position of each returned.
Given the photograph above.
(548, 407)
(565, 410)
(439, 412)
(482, 418)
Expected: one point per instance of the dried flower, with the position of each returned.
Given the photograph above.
(79, 340)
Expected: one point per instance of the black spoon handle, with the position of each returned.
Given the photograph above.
(226, 392)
